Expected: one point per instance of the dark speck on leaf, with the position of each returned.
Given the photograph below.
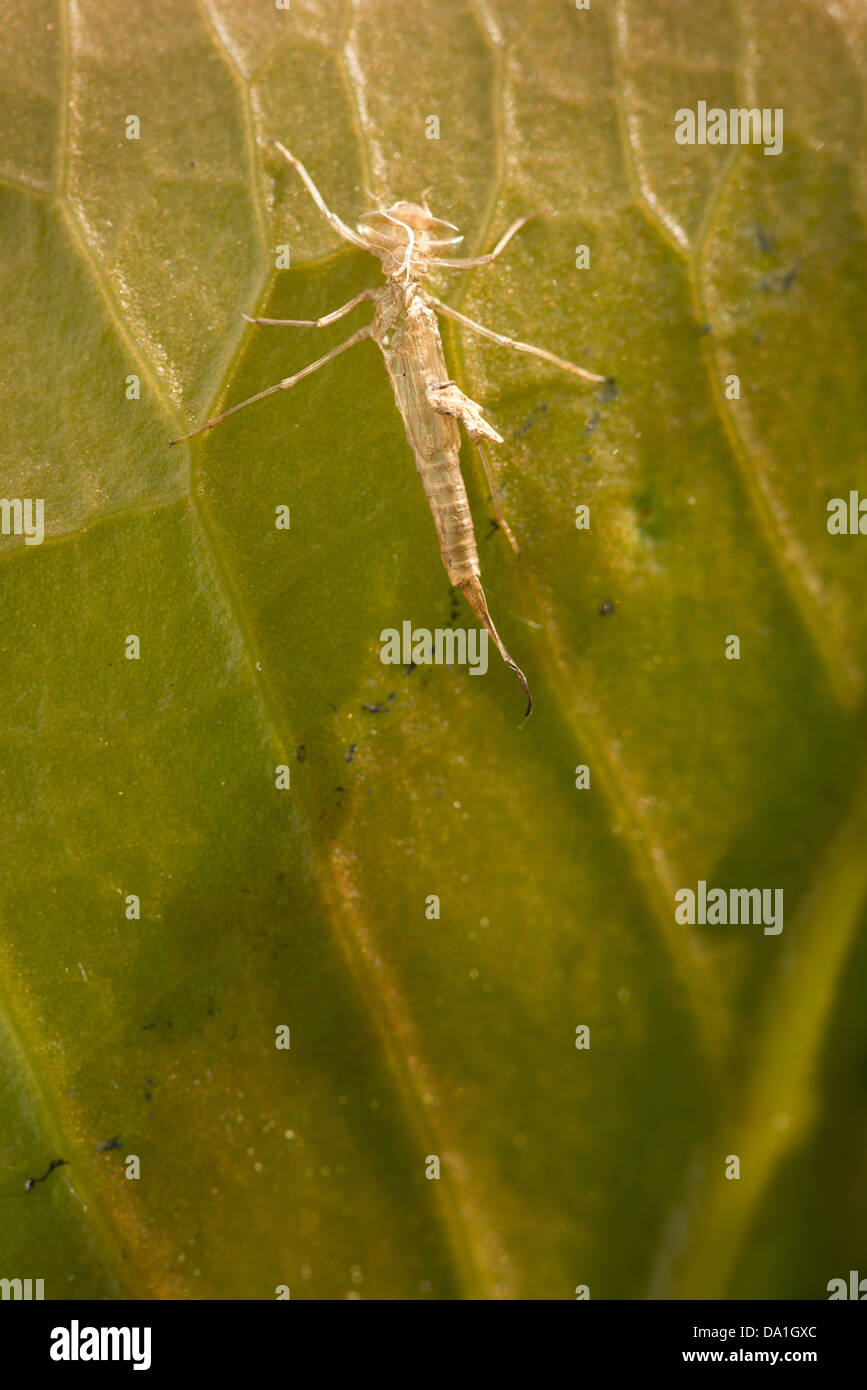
(606, 608)
(109, 1144)
(765, 241)
(376, 709)
(607, 391)
(301, 753)
(530, 421)
(351, 752)
(55, 1163)
(413, 666)
(780, 279)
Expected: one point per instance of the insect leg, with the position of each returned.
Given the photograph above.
(467, 262)
(492, 484)
(357, 337)
(447, 398)
(510, 342)
(337, 223)
(315, 323)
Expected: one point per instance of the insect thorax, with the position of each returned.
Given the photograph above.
(407, 238)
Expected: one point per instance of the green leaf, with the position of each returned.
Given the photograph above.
(156, 779)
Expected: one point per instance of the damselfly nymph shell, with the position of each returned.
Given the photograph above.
(409, 242)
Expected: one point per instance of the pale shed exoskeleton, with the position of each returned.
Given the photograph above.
(409, 242)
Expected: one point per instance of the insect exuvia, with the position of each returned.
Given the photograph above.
(409, 242)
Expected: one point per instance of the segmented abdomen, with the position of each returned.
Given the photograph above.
(414, 357)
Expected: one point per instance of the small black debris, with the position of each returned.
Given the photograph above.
(55, 1163)
(766, 242)
(789, 277)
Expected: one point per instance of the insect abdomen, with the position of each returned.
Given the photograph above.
(417, 369)
(415, 361)
(447, 497)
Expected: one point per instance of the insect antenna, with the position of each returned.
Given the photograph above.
(475, 595)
